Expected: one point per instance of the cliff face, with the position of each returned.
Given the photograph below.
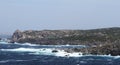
(86, 37)
(17, 35)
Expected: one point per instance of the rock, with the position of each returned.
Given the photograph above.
(99, 41)
(16, 35)
(77, 37)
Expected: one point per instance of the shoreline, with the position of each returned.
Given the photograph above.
(68, 49)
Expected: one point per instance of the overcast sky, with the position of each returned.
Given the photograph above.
(58, 14)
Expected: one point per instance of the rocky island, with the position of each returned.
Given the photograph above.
(99, 41)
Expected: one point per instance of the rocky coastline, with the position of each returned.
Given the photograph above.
(99, 41)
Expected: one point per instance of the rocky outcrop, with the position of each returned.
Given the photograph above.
(17, 35)
(99, 41)
(112, 49)
(85, 37)
(104, 49)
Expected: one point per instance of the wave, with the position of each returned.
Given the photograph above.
(21, 50)
(42, 46)
(6, 61)
(2, 42)
(44, 51)
(28, 44)
(54, 52)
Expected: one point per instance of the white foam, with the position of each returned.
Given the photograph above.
(60, 53)
(75, 54)
(109, 56)
(31, 50)
(44, 51)
(29, 44)
(21, 50)
(116, 57)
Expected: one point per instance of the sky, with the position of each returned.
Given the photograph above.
(58, 14)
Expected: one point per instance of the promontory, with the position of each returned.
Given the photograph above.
(100, 41)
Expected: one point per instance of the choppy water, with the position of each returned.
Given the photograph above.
(28, 54)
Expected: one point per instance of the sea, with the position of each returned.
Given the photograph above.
(32, 54)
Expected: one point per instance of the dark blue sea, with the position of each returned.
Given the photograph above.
(28, 54)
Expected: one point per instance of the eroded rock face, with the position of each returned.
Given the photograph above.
(17, 35)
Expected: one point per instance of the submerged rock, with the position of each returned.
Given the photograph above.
(54, 51)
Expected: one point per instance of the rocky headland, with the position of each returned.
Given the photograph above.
(99, 41)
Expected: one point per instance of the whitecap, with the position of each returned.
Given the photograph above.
(116, 57)
(49, 51)
(28, 44)
(21, 50)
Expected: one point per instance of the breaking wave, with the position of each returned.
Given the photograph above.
(47, 50)
(26, 54)
(53, 52)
